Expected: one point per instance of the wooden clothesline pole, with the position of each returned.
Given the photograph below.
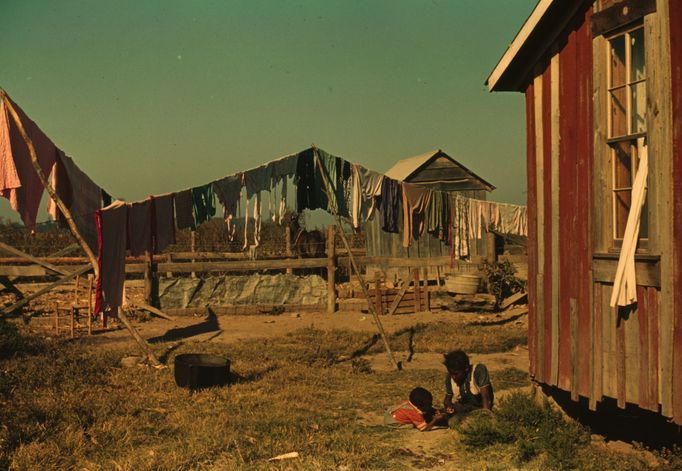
(72, 225)
(356, 270)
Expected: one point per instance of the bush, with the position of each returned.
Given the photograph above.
(533, 429)
(501, 280)
(11, 340)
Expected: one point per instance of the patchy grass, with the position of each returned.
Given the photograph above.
(64, 405)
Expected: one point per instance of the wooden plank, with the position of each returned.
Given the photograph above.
(610, 318)
(655, 375)
(597, 349)
(583, 216)
(532, 230)
(626, 11)
(548, 189)
(645, 371)
(648, 273)
(672, 31)
(152, 310)
(632, 356)
(417, 290)
(620, 362)
(49, 266)
(574, 348)
(554, 208)
(40, 292)
(540, 229)
(331, 269)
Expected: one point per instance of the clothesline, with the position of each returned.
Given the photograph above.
(149, 225)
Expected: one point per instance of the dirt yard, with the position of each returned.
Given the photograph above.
(310, 383)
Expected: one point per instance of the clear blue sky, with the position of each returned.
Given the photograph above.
(150, 96)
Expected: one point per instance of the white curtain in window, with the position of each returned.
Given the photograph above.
(625, 283)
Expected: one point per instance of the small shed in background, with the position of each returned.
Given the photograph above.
(437, 170)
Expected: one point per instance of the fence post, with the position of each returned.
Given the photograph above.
(417, 291)
(150, 279)
(193, 248)
(331, 269)
(491, 254)
(287, 240)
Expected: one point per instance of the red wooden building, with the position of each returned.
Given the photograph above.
(602, 80)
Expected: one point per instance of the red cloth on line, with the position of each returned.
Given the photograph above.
(112, 224)
(140, 227)
(19, 182)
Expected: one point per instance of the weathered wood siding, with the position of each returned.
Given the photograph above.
(577, 342)
(675, 15)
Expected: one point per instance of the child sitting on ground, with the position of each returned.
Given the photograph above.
(471, 382)
(418, 412)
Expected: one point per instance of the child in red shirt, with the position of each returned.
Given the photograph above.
(417, 412)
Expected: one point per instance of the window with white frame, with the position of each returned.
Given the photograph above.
(626, 121)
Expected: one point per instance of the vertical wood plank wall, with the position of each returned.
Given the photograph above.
(675, 25)
(576, 340)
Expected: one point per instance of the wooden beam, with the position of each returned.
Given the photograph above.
(153, 310)
(60, 281)
(624, 12)
(49, 266)
(331, 270)
(138, 338)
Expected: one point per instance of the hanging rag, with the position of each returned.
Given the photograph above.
(257, 180)
(308, 194)
(390, 205)
(625, 282)
(460, 228)
(415, 204)
(228, 191)
(112, 234)
(80, 195)
(281, 170)
(371, 183)
(330, 167)
(439, 210)
(356, 197)
(203, 203)
(184, 210)
(19, 182)
(163, 227)
(140, 227)
(106, 199)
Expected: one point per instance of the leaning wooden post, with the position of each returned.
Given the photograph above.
(141, 342)
(43, 179)
(342, 233)
(67, 214)
(331, 270)
(89, 305)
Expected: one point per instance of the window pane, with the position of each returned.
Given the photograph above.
(622, 165)
(622, 208)
(638, 104)
(637, 66)
(617, 47)
(618, 112)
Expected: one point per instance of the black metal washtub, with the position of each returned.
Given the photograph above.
(201, 370)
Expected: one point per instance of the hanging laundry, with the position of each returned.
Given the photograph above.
(163, 227)
(203, 203)
(281, 170)
(257, 180)
(331, 169)
(228, 191)
(255, 203)
(459, 244)
(439, 210)
(371, 183)
(356, 197)
(140, 227)
(19, 182)
(80, 195)
(309, 195)
(184, 210)
(415, 204)
(112, 234)
(284, 167)
(390, 205)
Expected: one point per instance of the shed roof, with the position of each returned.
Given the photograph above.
(408, 169)
(547, 20)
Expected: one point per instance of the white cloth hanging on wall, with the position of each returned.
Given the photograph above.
(625, 284)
